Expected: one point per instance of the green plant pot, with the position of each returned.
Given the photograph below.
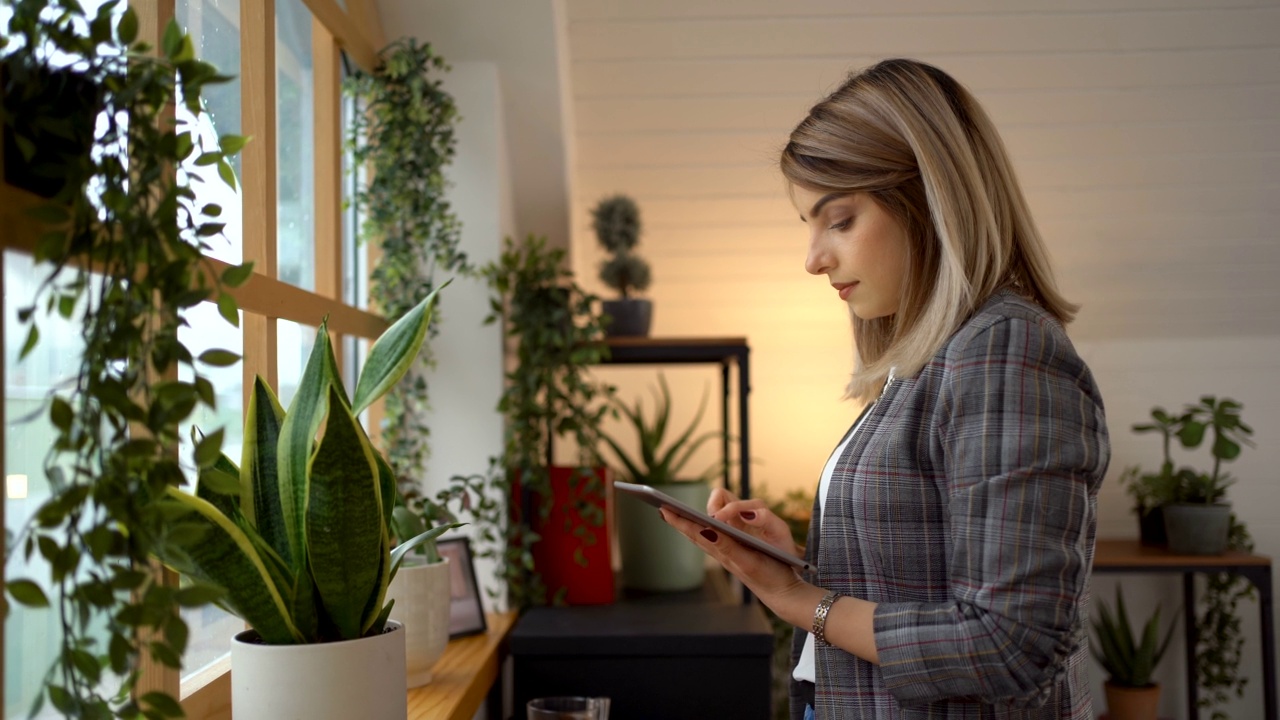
(1197, 528)
(655, 557)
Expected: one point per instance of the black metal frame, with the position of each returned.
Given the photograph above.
(722, 351)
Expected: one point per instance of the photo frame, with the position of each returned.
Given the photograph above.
(466, 613)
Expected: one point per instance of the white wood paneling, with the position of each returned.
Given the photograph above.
(1146, 134)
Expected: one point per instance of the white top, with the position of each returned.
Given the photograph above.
(805, 667)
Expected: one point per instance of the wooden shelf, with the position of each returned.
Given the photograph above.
(463, 676)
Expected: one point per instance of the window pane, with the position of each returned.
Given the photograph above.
(211, 627)
(293, 347)
(355, 269)
(31, 637)
(214, 26)
(295, 132)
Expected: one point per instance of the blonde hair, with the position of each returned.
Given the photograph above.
(919, 143)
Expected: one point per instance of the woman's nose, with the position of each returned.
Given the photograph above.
(819, 260)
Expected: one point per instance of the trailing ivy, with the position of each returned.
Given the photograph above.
(403, 136)
(558, 336)
(122, 213)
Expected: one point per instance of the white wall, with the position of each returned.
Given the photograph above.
(466, 429)
(1135, 375)
(1146, 134)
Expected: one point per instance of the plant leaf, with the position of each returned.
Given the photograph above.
(392, 353)
(224, 556)
(344, 520)
(260, 498)
(27, 593)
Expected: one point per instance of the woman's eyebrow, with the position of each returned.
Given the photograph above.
(822, 201)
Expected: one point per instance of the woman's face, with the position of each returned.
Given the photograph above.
(858, 245)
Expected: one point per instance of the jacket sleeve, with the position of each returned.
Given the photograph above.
(1024, 445)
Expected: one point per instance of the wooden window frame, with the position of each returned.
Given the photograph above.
(264, 299)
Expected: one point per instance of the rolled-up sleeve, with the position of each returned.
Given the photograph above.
(1024, 444)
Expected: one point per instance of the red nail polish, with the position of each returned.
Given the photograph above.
(748, 514)
(710, 535)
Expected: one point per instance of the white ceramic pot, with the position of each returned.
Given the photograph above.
(324, 681)
(421, 593)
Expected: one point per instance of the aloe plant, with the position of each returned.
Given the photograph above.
(298, 536)
(655, 465)
(1129, 661)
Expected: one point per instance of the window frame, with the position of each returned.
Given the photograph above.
(355, 32)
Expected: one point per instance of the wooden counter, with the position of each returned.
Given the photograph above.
(464, 675)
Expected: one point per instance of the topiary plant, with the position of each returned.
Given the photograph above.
(616, 221)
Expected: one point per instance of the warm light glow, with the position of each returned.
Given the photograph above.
(16, 486)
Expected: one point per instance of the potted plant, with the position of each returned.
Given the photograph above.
(1195, 492)
(556, 543)
(654, 556)
(298, 540)
(122, 243)
(1129, 661)
(421, 589)
(1197, 521)
(616, 221)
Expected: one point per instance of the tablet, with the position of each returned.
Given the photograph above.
(660, 499)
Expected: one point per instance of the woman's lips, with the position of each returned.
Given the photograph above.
(844, 289)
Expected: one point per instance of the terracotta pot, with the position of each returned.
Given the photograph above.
(1126, 703)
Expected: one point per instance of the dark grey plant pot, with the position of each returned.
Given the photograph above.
(631, 317)
(1197, 528)
(1151, 526)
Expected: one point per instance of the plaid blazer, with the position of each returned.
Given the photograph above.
(966, 508)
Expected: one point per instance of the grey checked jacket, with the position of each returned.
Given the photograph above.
(966, 508)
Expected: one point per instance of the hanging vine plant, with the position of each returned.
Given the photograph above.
(402, 135)
(121, 211)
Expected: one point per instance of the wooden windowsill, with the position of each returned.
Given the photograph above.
(462, 678)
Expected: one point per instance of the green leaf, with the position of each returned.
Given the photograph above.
(344, 520)
(127, 30)
(227, 174)
(219, 358)
(397, 555)
(225, 557)
(228, 310)
(222, 483)
(209, 448)
(237, 275)
(261, 502)
(392, 353)
(344, 524)
(297, 436)
(27, 593)
(232, 144)
(61, 414)
(33, 337)
(163, 703)
(198, 594)
(171, 43)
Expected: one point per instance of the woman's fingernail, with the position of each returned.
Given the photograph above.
(748, 514)
(710, 535)
(664, 517)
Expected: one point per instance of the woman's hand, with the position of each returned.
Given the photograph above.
(766, 577)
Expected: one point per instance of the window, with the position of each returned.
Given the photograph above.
(304, 142)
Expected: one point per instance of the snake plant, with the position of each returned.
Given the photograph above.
(297, 536)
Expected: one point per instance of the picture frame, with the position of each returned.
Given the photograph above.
(466, 613)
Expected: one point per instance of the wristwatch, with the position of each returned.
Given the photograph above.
(820, 617)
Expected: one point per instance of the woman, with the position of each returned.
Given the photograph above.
(953, 527)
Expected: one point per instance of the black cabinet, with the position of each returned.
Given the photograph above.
(656, 660)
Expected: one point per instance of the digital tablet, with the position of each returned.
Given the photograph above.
(660, 499)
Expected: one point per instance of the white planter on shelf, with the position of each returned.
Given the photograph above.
(323, 681)
(421, 594)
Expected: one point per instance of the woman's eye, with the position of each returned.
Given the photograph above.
(842, 225)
